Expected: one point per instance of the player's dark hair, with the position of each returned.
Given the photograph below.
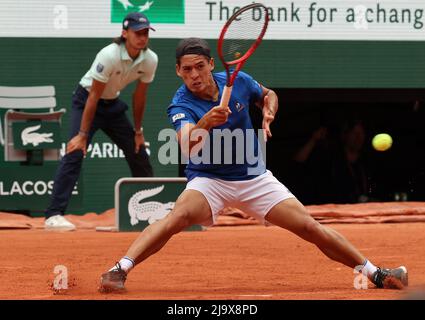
(192, 46)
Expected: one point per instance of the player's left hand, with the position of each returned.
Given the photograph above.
(139, 140)
(268, 117)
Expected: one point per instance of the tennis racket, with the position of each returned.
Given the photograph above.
(239, 38)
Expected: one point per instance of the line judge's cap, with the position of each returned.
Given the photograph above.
(136, 21)
(193, 46)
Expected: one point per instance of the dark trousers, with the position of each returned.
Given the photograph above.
(112, 119)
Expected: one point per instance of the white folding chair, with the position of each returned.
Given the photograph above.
(21, 101)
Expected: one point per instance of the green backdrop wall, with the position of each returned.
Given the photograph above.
(277, 64)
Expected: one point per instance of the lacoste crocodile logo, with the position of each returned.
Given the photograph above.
(148, 211)
(29, 136)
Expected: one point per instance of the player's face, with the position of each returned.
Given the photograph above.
(136, 40)
(195, 71)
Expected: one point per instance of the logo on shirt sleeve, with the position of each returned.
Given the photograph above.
(99, 67)
(178, 116)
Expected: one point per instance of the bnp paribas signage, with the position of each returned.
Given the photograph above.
(158, 11)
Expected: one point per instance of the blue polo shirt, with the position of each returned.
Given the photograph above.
(232, 152)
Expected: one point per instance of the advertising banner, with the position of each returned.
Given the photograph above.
(289, 20)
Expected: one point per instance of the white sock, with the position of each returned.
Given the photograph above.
(126, 264)
(369, 268)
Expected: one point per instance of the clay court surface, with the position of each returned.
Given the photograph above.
(224, 262)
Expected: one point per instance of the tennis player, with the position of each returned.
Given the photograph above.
(248, 185)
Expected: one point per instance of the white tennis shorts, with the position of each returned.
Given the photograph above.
(255, 197)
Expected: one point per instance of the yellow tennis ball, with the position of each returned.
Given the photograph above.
(382, 142)
(237, 55)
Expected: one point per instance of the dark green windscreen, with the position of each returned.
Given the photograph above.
(277, 64)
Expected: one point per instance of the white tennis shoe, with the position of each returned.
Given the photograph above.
(59, 223)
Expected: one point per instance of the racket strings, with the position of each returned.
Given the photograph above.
(243, 32)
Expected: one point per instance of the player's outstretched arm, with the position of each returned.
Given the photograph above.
(191, 137)
(269, 106)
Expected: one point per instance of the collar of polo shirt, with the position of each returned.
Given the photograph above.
(126, 56)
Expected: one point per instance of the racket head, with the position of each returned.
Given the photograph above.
(242, 34)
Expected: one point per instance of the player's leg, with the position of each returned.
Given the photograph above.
(191, 208)
(266, 198)
(121, 132)
(290, 214)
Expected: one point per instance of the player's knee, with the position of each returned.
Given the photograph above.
(179, 220)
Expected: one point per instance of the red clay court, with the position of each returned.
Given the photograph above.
(229, 261)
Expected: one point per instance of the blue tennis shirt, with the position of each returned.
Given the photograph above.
(232, 151)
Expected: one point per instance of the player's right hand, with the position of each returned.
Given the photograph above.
(218, 116)
(77, 143)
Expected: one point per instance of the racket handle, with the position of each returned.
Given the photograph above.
(225, 97)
